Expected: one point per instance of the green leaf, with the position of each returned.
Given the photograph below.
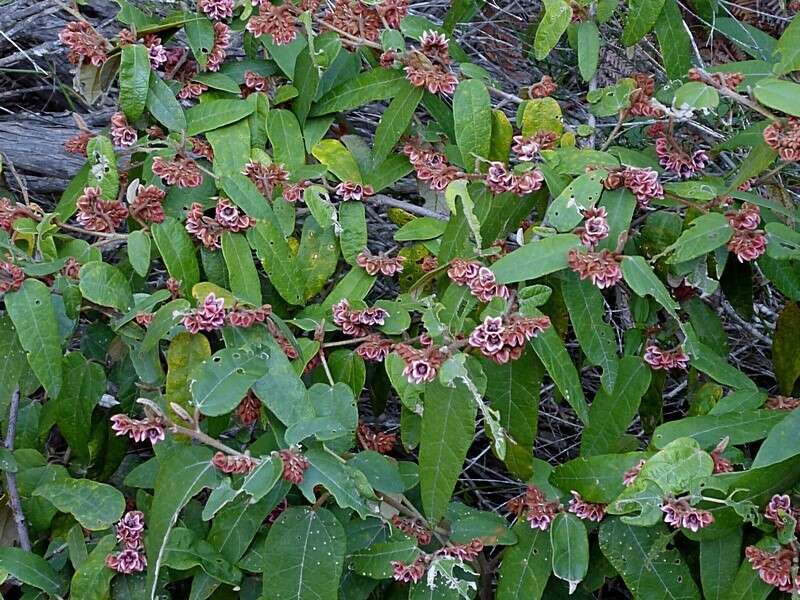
(741, 426)
(163, 106)
(244, 194)
(220, 383)
(281, 390)
(306, 79)
(779, 94)
(395, 121)
(304, 556)
(334, 414)
(541, 114)
(134, 80)
(185, 551)
(472, 112)
(375, 561)
(200, 35)
(92, 579)
(674, 41)
(788, 49)
(525, 568)
(644, 282)
(747, 585)
(719, 562)
(231, 145)
(105, 285)
(369, 86)
(556, 19)
(96, 506)
(317, 257)
(339, 160)
(588, 49)
(597, 339)
(642, 15)
(185, 353)
(696, 95)
(502, 134)
(565, 212)
(781, 444)
(286, 138)
(596, 478)
(381, 472)
(84, 384)
(215, 114)
(782, 241)
(183, 473)
(513, 390)
(31, 569)
(12, 361)
(242, 272)
(353, 237)
(139, 251)
(448, 425)
(535, 259)
(33, 314)
(343, 482)
(421, 228)
(219, 81)
(785, 358)
(649, 569)
(104, 173)
(704, 234)
(570, 546)
(178, 253)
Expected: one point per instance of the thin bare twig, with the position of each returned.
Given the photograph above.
(11, 478)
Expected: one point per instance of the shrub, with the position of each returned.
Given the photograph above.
(222, 379)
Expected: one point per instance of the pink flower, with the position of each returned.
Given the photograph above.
(147, 204)
(237, 464)
(601, 268)
(678, 513)
(216, 10)
(392, 11)
(378, 441)
(421, 365)
(128, 561)
(661, 359)
(746, 219)
(747, 245)
(151, 428)
(350, 190)
(527, 148)
(97, 214)
(180, 171)
(222, 40)
(204, 228)
(209, 317)
(380, 264)
(374, 349)
(294, 466)
(84, 43)
(278, 21)
(294, 192)
(643, 183)
(409, 573)
(774, 568)
(357, 322)
(413, 528)
(586, 510)
(462, 552)
(122, 134)
(129, 529)
(631, 474)
(266, 177)
(501, 341)
(229, 217)
(595, 227)
(11, 277)
(673, 158)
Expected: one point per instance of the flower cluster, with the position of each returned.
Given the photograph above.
(778, 508)
(674, 158)
(146, 205)
(208, 317)
(216, 10)
(255, 82)
(238, 464)
(665, 360)
(421, 364)
(601, 268)
(379, 441)
(643, 183)
(430, 166)
(413, 528)
(84, 43)
(11, 277)
(294, 192)
(543, 88)
(97, 214)
(151, 428)
(266, 177)
(747, 242)
(721, 464)
(351, 190)
(587, 511)
(222, 41)
(384, 265)
(130, 532)
(280, 22)
(356, 19)
(247, 317)
(429, 66)
(181, 171)
(294, 466)
(412, 573)
(642, 96)
(500, 179)
(249, 409)
(155, 50)
(539, 511)
(77, 143)
(718, 80)
(209, 230)
(527, 148)
(479, 279)
(782, 403)
(784, 138)
(679, 513)
(504, 340)
(392, 12)
(629, 478)
(202, 148)
(122, 134)
(775, 568)
(357, 322)
(594, 228)
(374, 349)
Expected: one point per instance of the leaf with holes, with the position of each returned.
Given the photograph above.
(219, 383)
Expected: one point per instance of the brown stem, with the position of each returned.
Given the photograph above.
(615, 132)
(206, 439)
(11, 478)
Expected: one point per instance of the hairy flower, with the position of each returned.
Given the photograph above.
(462, 552)
(84, 43)
(594, 228)
(208, 317)
(201, 147)
(128, 561)
(77, 143)
(774, 568)
(230, 217)
(294, 466)
(392, 11)
(745, 219)
(665, 360)
(216, 10)
(747, 245)
(191, 90)
(539, 511)
(147, 204)
(357, 322)
(502, 340)
(122, 134)
(782, 403)
(139, 430)
(356, 19)
(719, 80)
(410, 573)
(222, 40)
(643, 183)
(237, 464)
(545, 87)
(784, 138)
(11, 277)
(779, 508)
(431, 167)
(587, 511)
(413, 528)
(294, 192)
(350, 190)
(247, 317)
(96, 214)
(266, 177)
(674, 158)
(527, 148)
(249, 409)
(204, 228)
(280, 22)
(601, 268)
(129, 529)
(180, 171)
(421, 364)
(384, 265)
(642, 95)
(378, 441)
(679, 513)
(374, 349)
(428, 66)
